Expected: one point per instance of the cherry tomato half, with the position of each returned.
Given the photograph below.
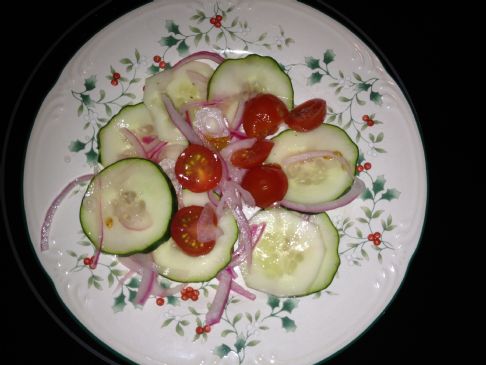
(263, 114)
(307, 116)
(266, 183)
(183, 229)
(254, 156)
(198, 169)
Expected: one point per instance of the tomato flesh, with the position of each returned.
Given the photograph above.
(266, 183)
(263, 114)
(198, 169)
(254, 156)
(183, 229)
(307, 116)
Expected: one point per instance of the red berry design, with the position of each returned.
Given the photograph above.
(185, 297)
(370, 123)
(219, 18)
(359, 168)
(366, 118)
(116, 75)
(367, 166)
(87, 261)
(217, 24)
(376, 242)
(213, 21)
(157, 58)
(207, 328)
(114, 82)
(160, 301)
(194, 297)
(199, 330)
(377, 235)
(371, 237)
(162, 64)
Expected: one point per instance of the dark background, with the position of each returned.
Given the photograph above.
(406, 33)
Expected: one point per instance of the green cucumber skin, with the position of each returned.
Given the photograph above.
(152, 246)
(250, 58)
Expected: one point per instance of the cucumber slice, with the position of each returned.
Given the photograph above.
(318, 180)
(250, 75)
(113, 145)
(136, 201)
(181, 88)
(288, 257)
(176, 265)
(331, 261)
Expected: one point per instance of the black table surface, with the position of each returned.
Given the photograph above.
(405, 32)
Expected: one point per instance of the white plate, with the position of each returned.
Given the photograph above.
(324, 59)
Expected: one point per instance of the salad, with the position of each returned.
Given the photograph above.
(217, 171)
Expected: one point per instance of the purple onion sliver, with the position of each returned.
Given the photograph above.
(237, 288)
(180, 122)
(134, 141)
(146, 284)
(220, 299)
(356, 189)
(202, 55)
(46, 225)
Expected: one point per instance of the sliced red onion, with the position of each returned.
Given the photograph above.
(220, 298)
(232, 272)
(97, 192)
(256, 231)
(154, 154)
(237, 134)
(134, 141)
(149, 139)
(238, 118)
(321, 153)
(130, 264)
(149, 277)
(213, 199)
(237, 288)
(212, 56)
(122, 281)
(206, 229)
(181, 124)
(46, 224)
(228, 151)
(356, 189)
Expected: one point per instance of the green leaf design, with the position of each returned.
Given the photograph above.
(367, 212)
(108, 110)
(102, 95)
(357, 76)
(391, 194)
(126, 61)
(240, 344)
(367, 194)
(344, 99)
(91, 157)
(314, 78)
(137, 55)
(288, 324)
(111, 280)
(235, 21)
(358, 232)
(182, 48)
(359, 101)
(72, 253)
(86, 99)
(80, 109)
(273, 301)
(90, 83)
(380, 150)
(312, 63)
(379, 184)
(193, 311)
(167, 322)
(179, 329)
(253, 343)
(362, 86)
(119, 303)
(257, 315)
(289, 305)
(130, 95)
(184, 322)
(168, 41)
(380, 258)
(172, 300)
(195, 29)
(264, 328)
(329, 56)
(132, 294)
(331, 118)
(117, 272)
(237, 318)
(222, 350)
(206, 39)
(249, 317)
(133, 283)
(97, 285)
(197, 39)
(226, 333)
(376, 97)
(379, 137)
(219, 36)
(377, 214)
(289, 41)
(76, 146)
(172, 27)
(153, 69)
